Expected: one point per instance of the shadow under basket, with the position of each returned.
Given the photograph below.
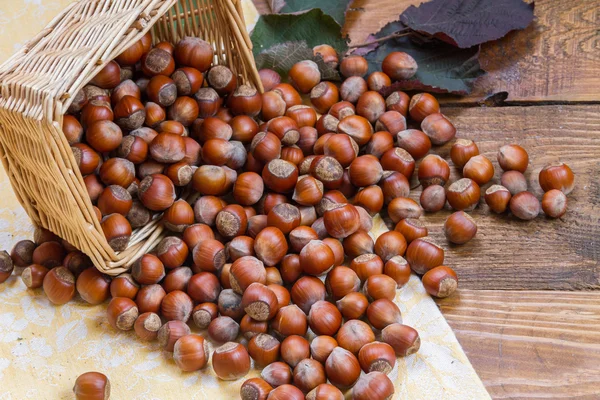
(37, 86)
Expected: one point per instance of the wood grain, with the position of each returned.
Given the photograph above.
(534, 345)
(556, 59)
(541, 254)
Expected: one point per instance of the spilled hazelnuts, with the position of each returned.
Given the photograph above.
(262, 198)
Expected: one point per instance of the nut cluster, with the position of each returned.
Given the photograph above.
(276, 241)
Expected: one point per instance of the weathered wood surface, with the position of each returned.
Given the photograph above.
(557, 58)
(534, 345)
(541, 254)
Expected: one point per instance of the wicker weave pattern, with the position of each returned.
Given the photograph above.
(38, 83)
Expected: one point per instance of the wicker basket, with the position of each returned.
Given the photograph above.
(39, 82)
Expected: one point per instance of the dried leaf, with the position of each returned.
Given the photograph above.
(329, 71)
(466, 23)
(282, 56)
(364, 50)
(442, 68)
(336, 8)
(313, 27)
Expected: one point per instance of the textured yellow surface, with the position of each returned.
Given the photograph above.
(43, 348)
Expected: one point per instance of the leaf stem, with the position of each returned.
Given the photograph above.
(404, 32)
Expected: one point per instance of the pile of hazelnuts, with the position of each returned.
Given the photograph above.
(282, 195)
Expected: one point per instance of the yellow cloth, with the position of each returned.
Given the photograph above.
(44, 348)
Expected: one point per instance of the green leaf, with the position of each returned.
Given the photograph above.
(314, 27)
(282, 56)
(336, 8)
(443, 68)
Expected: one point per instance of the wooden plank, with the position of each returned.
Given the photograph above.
(541, 254)
(533, 345)
(554, 59)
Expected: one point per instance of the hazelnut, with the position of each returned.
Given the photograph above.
(463, 194)
(309, 374)
(398, 101)
(439, 128)
(433, 170)
(342, 367)
(146, 326)
(307, 291)
(524, 206)
(398, 269)
(513, 157)
(286, 392)
(190, 353)
(324, 318)
(353, 305)
(371, 105)
(92, 386)
(341, 281)
(260, 302)
(514, 181)
(462, 150)
(421, 105)
(423, 254)
(440, 281)
(554, 203)
(352, 88)
(399, 66)
(373, 386)
(231, 361)
(170, 332)
(403, 207)
(92, 286)
(149, 298)
(223, 329)
(497, 198)
(377, 356)
(359, 243)
(279, 374)
(176, 305)
(194, 52)
(557, 176)
(460, 227)
(411, 229)
(304, 75)
(264, 349)
(479, 169)
(433, 198)
(354, 66)
(399, 160)
(255, 388)
(353, 335)
(403, 339)
(325, 391)
(122, 313)
(378, 80)
(290, 320)
(321, 347)
(415, 142)
(294, 349)
(379, 286)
